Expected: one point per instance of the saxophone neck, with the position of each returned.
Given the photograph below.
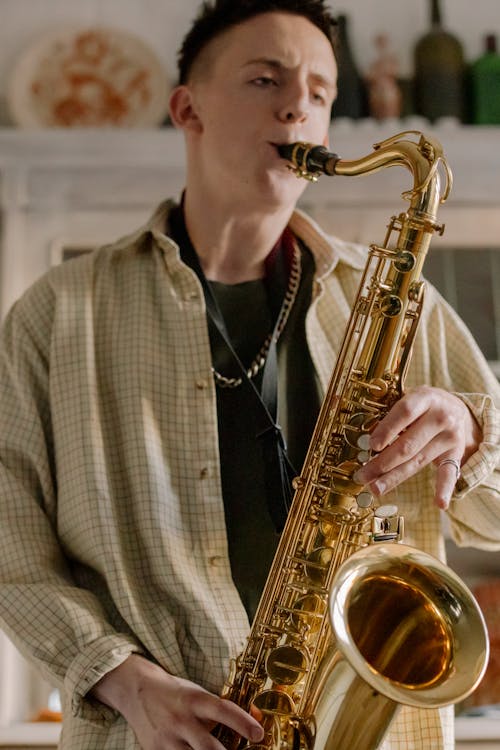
(422, 156)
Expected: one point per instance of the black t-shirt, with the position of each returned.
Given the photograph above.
(250, 310)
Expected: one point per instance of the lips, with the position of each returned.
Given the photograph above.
(279, 146)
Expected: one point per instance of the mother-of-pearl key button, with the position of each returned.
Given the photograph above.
(364, 499)
(386, 511)
(364, 456)
(364, 442)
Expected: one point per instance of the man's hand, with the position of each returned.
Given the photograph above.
(428, 425)
(167, 712)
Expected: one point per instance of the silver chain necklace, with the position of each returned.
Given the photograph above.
(290, 295)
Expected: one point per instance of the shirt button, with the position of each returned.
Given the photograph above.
(205, 472)
(190, 296)
(215, 561)
(201, 384)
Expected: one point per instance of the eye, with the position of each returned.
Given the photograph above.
(264, 81)
(318, 97)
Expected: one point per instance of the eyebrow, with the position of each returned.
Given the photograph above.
(278, 65)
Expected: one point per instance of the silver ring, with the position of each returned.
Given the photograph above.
(453, 462)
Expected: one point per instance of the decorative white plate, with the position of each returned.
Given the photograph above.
(88, 77)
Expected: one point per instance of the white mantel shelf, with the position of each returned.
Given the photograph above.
(87, 187)
(30, 735)
(473, 153)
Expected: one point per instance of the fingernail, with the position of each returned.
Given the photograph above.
(442, 504)
(379, 487)
(359, 477)
(256, 734)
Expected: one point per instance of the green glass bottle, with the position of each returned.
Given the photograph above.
(485, 85)
(439, 71)
(351, 96)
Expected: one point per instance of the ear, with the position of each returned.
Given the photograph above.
(182, 109)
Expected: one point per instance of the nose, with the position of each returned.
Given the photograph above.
(293, 115)
(295, 105)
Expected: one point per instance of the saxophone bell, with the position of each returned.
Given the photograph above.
(400, 619)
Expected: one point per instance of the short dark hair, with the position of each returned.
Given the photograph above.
(216, 16)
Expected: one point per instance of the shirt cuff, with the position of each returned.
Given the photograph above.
(484, 461)
(93, 662)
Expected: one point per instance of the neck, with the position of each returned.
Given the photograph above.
(232, 243)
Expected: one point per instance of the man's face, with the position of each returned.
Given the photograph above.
(268, 81)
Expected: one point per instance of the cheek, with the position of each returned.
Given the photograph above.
(227, 122)
(320, 123)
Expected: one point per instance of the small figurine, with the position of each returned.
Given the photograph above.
(384, 93)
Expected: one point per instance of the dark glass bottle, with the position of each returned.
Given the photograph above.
(351, 97)
(439, 71)
(485, 85)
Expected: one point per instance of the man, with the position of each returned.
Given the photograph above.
(135, 511)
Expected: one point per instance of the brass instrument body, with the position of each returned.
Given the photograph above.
(344, 607)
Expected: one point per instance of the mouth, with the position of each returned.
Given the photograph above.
(286, 150)
(283, 150)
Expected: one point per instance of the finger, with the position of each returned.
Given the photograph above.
(230, 715)
(386, 481)
(256, 712)
(404, 412)
(199, 738)
(411, 448)
(446, 479)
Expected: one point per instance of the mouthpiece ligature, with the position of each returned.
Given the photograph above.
(308, 161)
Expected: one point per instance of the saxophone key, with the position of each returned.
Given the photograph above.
(364, 457)
(317, 564)
(364, 499)
(405, 261)
(386, 511)
(390, 306)
(274, 702)
(286, 665)
(363, 442)
(386, 525)
(308, 612)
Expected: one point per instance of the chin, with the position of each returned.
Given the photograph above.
(282, 190)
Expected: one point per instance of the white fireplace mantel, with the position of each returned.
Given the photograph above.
(87, 187)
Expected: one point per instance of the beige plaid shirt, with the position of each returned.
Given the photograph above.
(112, 533)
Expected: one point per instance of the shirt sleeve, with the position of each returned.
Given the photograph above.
(453, 361)
(60, 627)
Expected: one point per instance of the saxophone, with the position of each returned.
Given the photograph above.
(352, 624)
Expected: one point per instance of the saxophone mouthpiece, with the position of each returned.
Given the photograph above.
(307, 160)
